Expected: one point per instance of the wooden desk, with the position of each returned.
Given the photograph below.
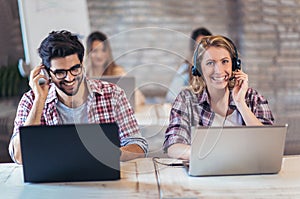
(139, 181)
(134, 183)
(285, 184)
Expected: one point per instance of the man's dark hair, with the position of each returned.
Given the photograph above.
(60, 44)
(197, 32)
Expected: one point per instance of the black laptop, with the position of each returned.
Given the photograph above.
(70, 152)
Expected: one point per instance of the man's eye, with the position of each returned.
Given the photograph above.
(60, 72)
(75, 69)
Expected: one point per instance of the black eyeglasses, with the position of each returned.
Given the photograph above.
(62, 74)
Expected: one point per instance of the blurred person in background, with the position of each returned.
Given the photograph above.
(182, 76)
(100, 61)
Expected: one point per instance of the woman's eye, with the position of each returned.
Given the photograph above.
(225, 61)
(209, 63)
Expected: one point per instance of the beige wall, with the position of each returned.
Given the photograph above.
(11, 48)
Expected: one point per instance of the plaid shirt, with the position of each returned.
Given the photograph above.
(107, 103)
(191, 109)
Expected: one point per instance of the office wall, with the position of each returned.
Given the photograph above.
(271, 49)
(151, 38)
(10, 34)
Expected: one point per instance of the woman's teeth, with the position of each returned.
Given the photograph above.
(219, 78)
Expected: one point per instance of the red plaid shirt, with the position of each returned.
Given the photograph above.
(191, 109)
(107, 103)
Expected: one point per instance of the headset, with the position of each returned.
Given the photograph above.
(236, 62)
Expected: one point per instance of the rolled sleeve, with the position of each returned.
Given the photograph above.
(260, 107)
(138, 140)
(128, 126)
(173, 139)
(180, 123)
(23, 110)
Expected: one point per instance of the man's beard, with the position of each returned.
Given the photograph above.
(74, 91)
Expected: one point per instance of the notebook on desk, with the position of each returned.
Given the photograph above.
(71, 152)
(236, 150)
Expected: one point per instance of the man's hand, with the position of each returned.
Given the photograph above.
(40, 91)
(131, 151)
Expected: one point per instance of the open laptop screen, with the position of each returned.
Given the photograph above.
(70, 152)
(127, 83)
(236, 150)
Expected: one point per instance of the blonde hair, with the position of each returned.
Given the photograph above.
(197, 83)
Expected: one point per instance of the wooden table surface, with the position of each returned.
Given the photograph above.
(139, 179)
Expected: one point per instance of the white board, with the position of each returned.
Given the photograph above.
(39, 17)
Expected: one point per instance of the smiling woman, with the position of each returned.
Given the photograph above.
(212, 100)
(100, 62)
(216, 67)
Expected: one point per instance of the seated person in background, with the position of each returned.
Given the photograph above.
(183, 74)
(100, 61)
(69, 91)
(218, 96)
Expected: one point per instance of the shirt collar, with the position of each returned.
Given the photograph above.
(52, 96)
(205, 99)
(95, 86)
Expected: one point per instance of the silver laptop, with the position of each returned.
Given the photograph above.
(127, 83)
(236, 150)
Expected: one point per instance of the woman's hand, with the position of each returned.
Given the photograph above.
(241, 86)
(179, 151)
(238, 93)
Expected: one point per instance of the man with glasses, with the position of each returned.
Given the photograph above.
(69, 97)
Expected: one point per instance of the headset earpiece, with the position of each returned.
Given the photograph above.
(236, 62)
(195, 71)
